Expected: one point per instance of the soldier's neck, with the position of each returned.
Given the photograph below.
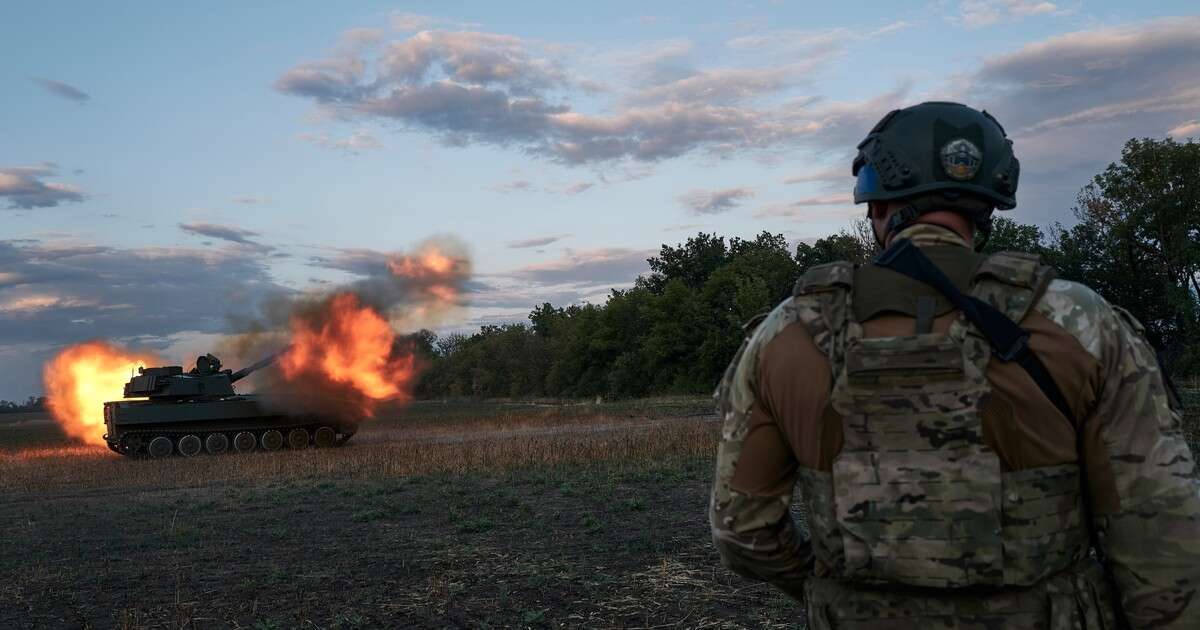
(927, 233)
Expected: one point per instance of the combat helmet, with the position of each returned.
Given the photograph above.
(941, 156)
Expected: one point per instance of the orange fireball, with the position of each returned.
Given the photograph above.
(347, 347)
(81, 378)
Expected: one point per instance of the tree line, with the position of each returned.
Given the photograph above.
(33, 403)
(1136, 241)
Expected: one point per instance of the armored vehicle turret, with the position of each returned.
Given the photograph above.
(167, 411)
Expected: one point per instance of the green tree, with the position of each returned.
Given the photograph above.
(841, 246)
(691, 263)
(1138, 242)
(1010, 236)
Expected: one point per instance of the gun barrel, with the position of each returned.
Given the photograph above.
(246, 371)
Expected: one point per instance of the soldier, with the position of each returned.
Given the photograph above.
(977, 444)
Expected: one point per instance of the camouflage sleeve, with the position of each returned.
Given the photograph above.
(1152, 540)
(754, 534)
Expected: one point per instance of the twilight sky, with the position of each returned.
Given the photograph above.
(165, 168)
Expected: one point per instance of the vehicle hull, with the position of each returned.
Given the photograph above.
(132, 424)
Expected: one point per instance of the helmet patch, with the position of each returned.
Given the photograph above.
(961, 159)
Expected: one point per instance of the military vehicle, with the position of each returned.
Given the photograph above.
(167, 411)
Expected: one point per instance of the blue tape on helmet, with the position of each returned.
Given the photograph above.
(867, 184)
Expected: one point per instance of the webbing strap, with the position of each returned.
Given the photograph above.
(1010, 342)
(926, 307)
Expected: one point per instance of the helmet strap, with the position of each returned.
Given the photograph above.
(907, 215)
(979, 211)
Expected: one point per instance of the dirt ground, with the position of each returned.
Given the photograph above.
(452, 516)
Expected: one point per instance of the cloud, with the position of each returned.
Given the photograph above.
(820, 41)
(980, 13)
(358, 142)
(64, 293)
(726, 85)
(524, 185)
(1189, 129)
(825, 200)
(806, 211)
(24, 188)
(31, 303)
(701, 202)
(425, 60)
(513, 186)
(1069, 102)
(615, 265)
(63, 90)
(250, 200)
(578, 187)
(357, 261)
(1095, 76)
(538, 241)
(328, 80)
(625, 173)
(837, 205)
(577, 276)
(839, 174)
(359, 38)
(653, 63)
(1185, 100)
(485, 88)
(226, 233)
(506, 295)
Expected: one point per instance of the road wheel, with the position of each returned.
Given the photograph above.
(324, 437)
(189, 445)
(272, 440)
(130, 445)
(244, 442)
(298, 439)
(160, 446)
(216, 443)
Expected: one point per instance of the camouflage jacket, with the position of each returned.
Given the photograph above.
(779, 427)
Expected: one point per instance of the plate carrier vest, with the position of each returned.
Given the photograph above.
(918, 511)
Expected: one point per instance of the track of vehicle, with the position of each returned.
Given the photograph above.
(196, 440)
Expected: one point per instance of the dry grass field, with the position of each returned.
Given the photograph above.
(444, 515)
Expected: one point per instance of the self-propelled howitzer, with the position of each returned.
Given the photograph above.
(167, 411)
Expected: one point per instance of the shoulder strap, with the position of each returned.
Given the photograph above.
(823, 294)
(1011, 282)
(1010, 343)
(827, 277)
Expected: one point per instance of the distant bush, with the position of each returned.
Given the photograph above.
(33, 403)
